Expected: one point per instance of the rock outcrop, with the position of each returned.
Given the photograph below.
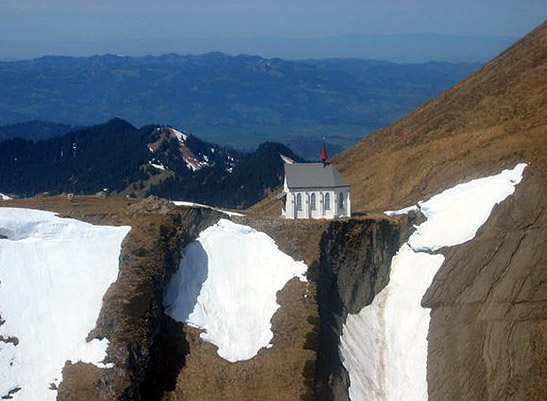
(132, 317)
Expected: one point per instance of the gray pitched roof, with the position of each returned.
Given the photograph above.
(308, 175)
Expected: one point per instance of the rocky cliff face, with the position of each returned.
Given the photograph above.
(354, 267)
(488, 332)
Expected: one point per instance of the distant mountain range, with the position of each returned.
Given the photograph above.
(399, 48)
(124, 160)
(239, 101)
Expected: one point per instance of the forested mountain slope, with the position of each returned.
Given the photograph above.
(121, 159)
(34, 130)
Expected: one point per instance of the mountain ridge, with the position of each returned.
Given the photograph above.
(118, 158)
(417, 47)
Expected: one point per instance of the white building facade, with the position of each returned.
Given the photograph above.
(315, 191)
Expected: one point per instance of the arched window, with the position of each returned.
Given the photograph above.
(299, 202)
(327, 201)
(313, 202)
(341, 200)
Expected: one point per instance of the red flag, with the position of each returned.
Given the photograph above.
(323, 157)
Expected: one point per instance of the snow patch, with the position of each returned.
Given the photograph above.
(464, 209)
(4, 197)
(227, 284)
(182, 137)
(159, 166)
(384, 346)
(192, 204)
(196, 165)
(190, 165)
(53, 275)
(286, 160)
(406, 210)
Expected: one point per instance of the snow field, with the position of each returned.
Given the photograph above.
(53, 275)
(384, 346)
(227, 284)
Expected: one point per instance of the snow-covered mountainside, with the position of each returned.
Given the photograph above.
(53, 275)
(227, 285)
(4, 197)
(384, 346)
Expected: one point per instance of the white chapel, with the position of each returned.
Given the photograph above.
(315, 191)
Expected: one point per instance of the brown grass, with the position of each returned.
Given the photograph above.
(492, 120)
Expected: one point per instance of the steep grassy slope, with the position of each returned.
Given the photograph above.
(493, 119)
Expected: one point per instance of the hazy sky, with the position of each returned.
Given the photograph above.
(110, 19)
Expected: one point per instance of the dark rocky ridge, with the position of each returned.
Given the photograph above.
(354, 267)
(132, 162)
